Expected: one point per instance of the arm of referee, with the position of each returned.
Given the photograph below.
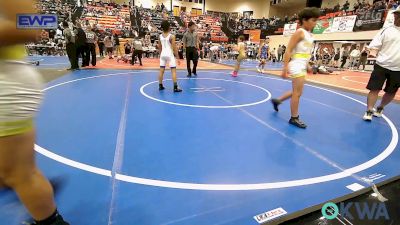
(197, 42)
(376, 43)
(184, 41)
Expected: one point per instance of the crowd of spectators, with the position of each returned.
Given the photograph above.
(238, 24)
(51, 41)
(108, 17)
(105, 18)
(149, 20)
(362, 6)
(209, 27)
(64, 9)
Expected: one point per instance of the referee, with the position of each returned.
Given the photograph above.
(386, 69)
(191, 43)
(70, 39)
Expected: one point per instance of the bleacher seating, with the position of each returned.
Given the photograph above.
(209, 25)
(118, 21)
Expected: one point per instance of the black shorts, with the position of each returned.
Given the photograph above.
(192, 54)
(381, 75)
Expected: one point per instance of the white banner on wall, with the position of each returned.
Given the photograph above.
(289, 29)
(344, 24)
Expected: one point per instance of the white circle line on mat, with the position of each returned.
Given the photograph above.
(208, 106)
(229, 187)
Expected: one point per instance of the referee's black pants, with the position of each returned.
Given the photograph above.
(137, 53)
(90, 51)
(344, 60)
(81, 52)
(192, 55)
(71, 52)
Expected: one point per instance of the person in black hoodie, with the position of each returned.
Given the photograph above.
(180, 51)
(80, 43)
(100, 43)
(116, 45)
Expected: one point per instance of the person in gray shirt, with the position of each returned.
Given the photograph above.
(280, 53)
(191, 43)
(138, 50)
(70, 46)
